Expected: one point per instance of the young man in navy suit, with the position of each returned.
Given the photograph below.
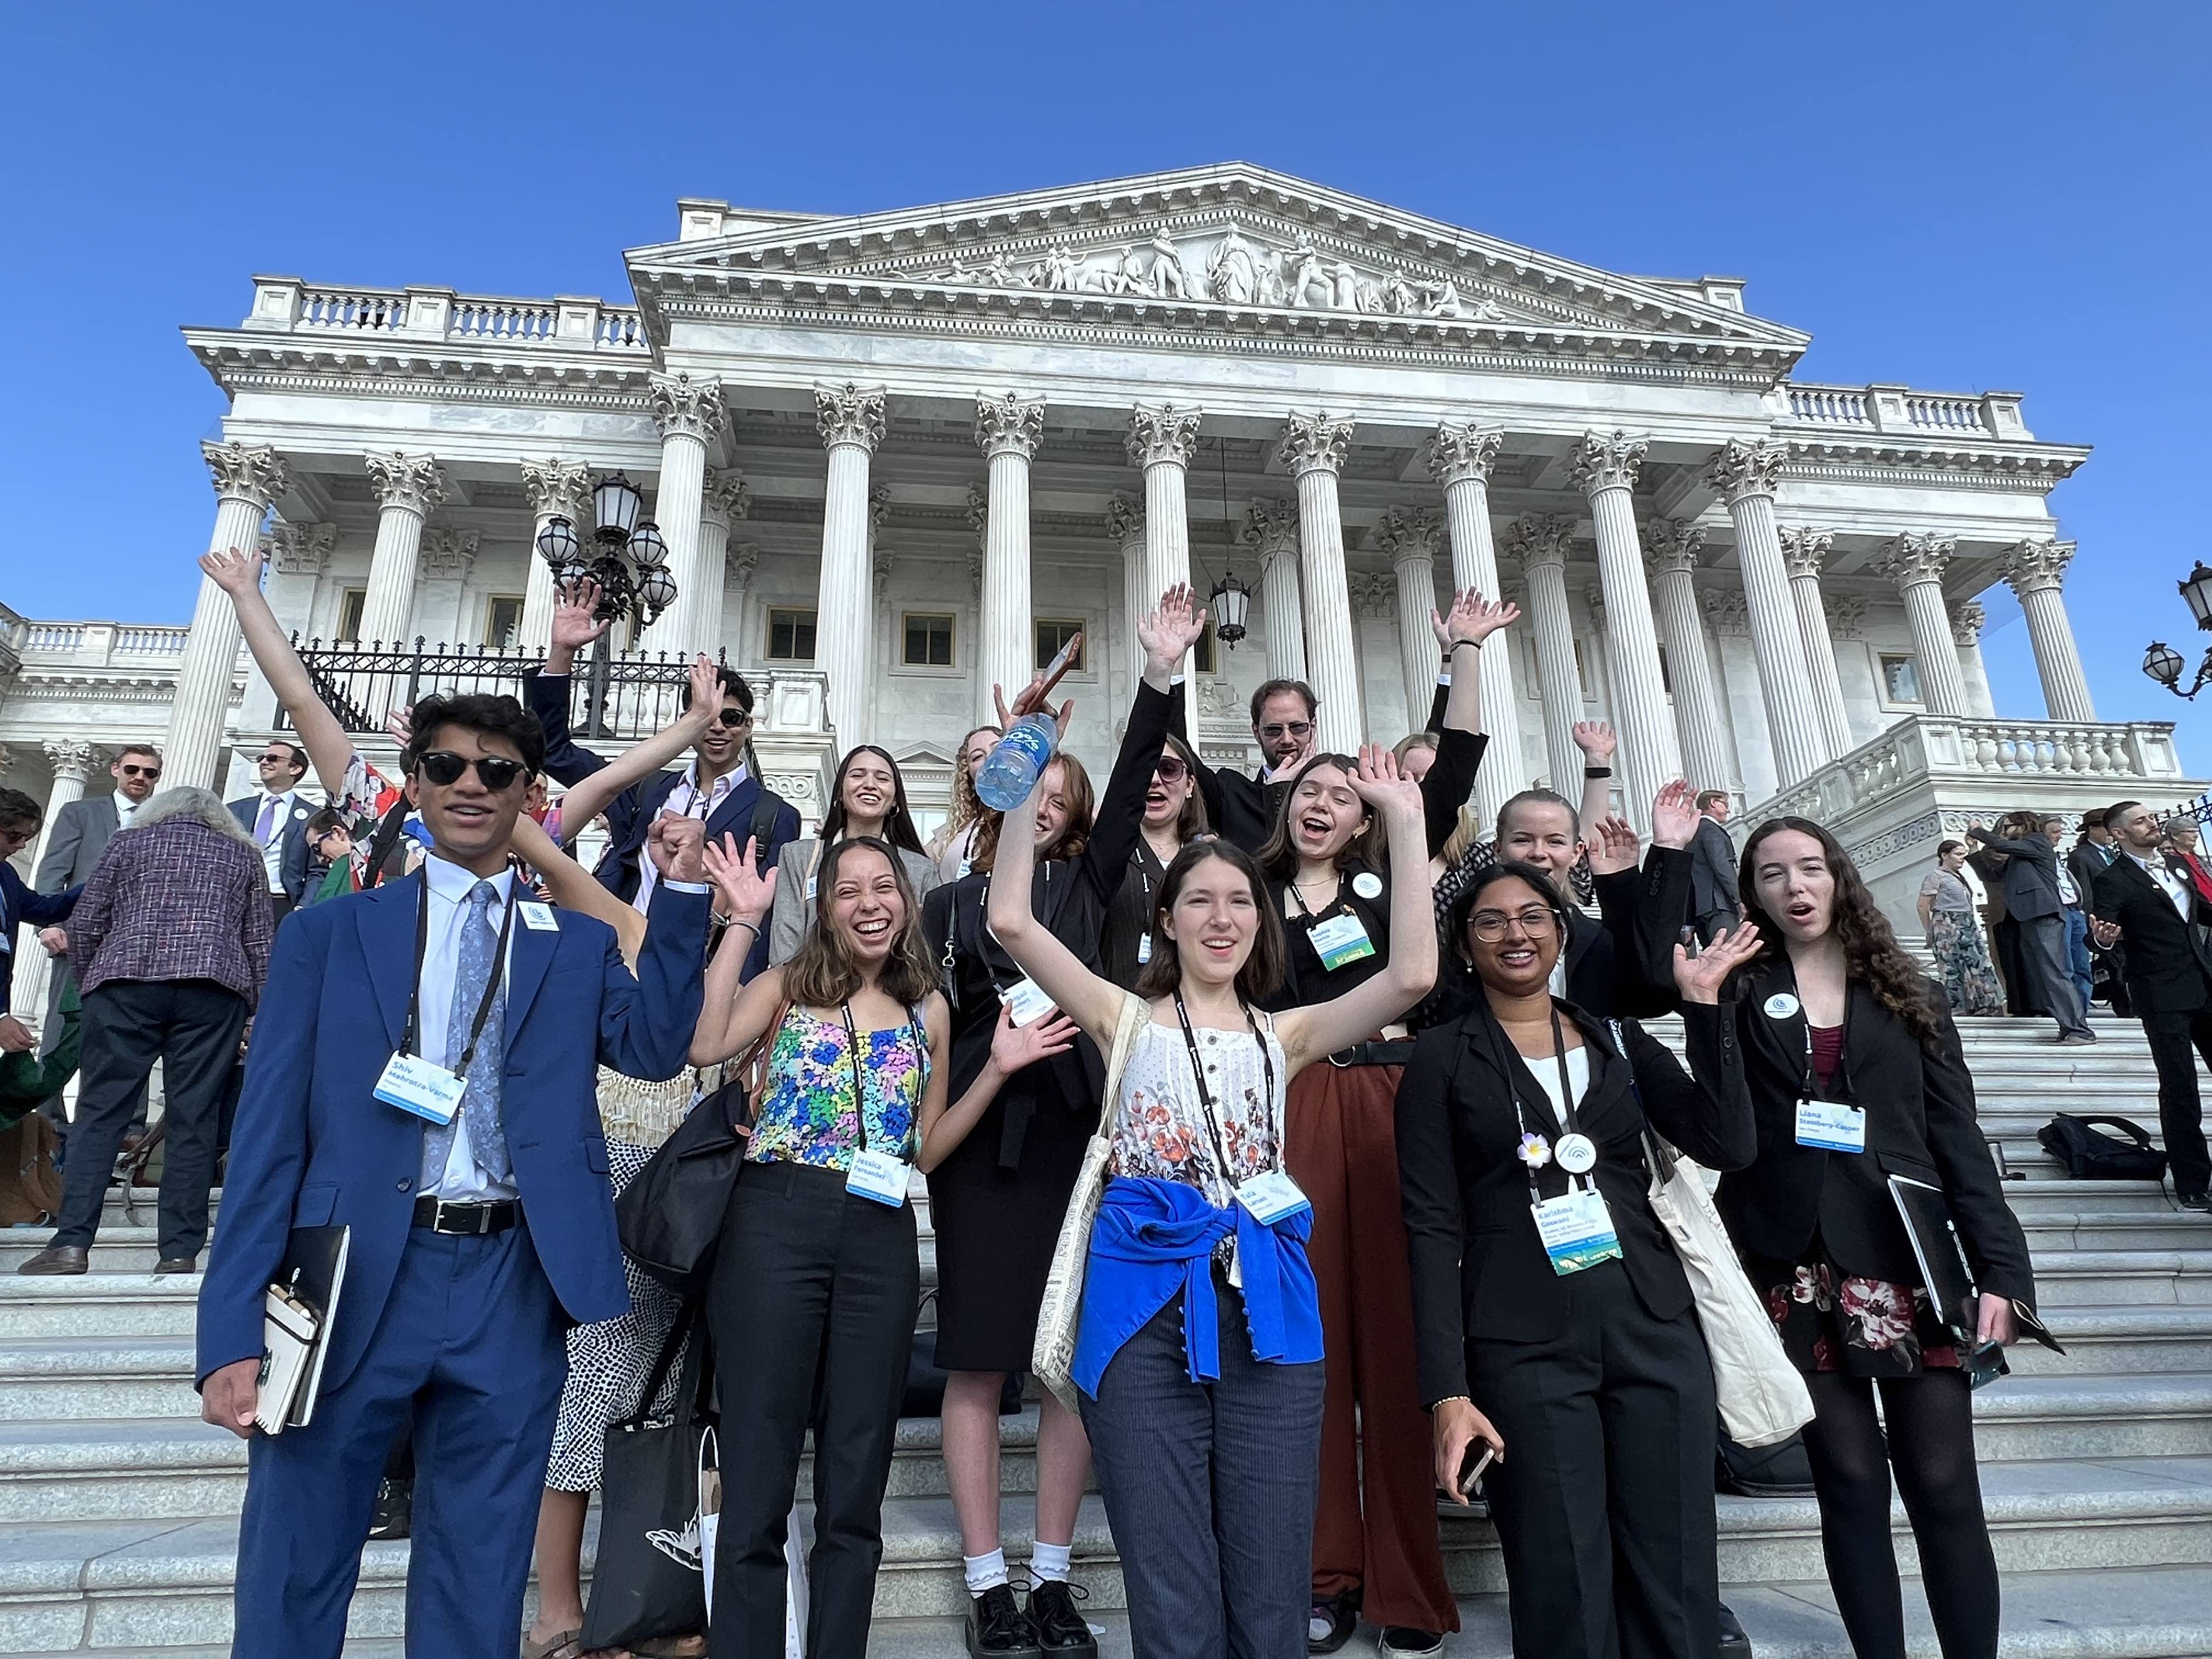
(423, 1070)
(718, 787)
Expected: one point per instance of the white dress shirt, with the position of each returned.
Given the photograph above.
(463, 1179)
(272, 850)
(125, 810)
(2176, 889)
(688, 801)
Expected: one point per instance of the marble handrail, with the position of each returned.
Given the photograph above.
(287, 305)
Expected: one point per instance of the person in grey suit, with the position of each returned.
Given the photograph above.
(2032, 898)
(1714, 901)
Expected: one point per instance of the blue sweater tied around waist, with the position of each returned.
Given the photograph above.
(1155, 1239)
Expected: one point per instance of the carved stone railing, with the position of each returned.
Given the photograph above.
(1896, 408)
(94, 644)
(286, 304)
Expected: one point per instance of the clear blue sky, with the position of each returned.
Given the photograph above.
(1960, 197)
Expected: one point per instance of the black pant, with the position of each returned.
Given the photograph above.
(2180, 1108)
(53, 1108)
(1604, 1501)
(192, 1026)
(1930, 1443)
(2018, 986)
(812, 1312)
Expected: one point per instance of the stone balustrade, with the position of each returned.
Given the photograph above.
(1899, 410)
(51, 644)
(284, 304)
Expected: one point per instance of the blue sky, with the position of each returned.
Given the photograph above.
(1959, 197)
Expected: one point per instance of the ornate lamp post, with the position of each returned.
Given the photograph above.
(630, 563)
(2161, 661)
(1230, 599)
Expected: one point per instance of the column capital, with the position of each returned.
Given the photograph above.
(1743, 469)
(1405, 533)
(1966, 619)
(1606, 460)
(1910, 560)
(247, 472)
(979, 512)
(1271, 530)
(1729, 610)
(1163, 434)
(1009, 424)
(849, 414)
(1315, 442)
(1374, 594)
(559, 489)
(880, 508)
(2032, 566)
(1125, 517)
(1846, 614)
(1457, 453)
(1594, 601)
(1672, 546)
(1804, 550)
(738, 567)
(726, 498)
(416, 483)
(681, 405)
(1537, 538)
(299, 550)
(448, 554)
(72, 759)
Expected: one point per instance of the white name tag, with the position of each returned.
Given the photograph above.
(1271, 1197)
(1831, 1125)
(810, 882)
(414, 1084)
(1143, 949)
(538, 918)
(879, 1177)
(1027, 1000)
(1341, 940)
(1576, 1231)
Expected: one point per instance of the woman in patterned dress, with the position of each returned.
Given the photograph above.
(1954, 936)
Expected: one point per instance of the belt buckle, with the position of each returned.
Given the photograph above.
(438, 1220)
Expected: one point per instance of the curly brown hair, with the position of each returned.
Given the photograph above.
(1872, 955)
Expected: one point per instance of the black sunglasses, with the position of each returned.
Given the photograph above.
(444, 768)
(731, 719)
(131, 771)
(1169, 769)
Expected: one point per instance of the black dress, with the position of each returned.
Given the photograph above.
(1124, 943)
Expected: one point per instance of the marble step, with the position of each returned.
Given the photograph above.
(117, 1249)
(115, 1377)
(2118, 1229)
(2138, 1341)
(2043, 1188)
(110, 1304)
(2023, 1418)
(2077, 1278)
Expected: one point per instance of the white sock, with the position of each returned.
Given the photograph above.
(984, 1571)
(1049, 1561)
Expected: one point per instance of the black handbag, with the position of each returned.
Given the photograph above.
(670, 1217)
(647, 1581)
(2090, 1154)
(1784, 1469)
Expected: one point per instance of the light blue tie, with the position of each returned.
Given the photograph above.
(480, 1100)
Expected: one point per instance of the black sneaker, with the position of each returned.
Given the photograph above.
(997, 1627)
(2193, 1200)
(1330, 1624)
(1404, 1639)
(1059, 1628)
(395, 1510)
(1735, 1644)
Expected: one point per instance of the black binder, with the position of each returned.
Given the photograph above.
(299, 1309)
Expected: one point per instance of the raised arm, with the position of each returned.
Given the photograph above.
(1705, 1110)
(1460, 742)
(573, 887)
(2034, 849)
(575, 624)
(731, 1019)
(591, 795)
(330, 751)
(1165, 633)
(1311, 1034)
(1596, 741)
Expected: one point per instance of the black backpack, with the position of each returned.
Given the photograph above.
(1781, 1470)
(2090, 1154)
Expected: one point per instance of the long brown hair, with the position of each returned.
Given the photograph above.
(823, 972)
(1871, 953)
(1262, 971)
(1074, 836)
(1279, 858)
(898, 823)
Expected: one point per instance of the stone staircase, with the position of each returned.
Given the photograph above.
(117, 1508)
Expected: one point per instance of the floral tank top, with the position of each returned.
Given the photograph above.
(808, 1112)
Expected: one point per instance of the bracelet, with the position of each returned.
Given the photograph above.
(1447, 1401)
(1477, 644)
(1597, 771)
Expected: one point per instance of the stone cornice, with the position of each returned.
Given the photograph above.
(239, 359)
(1982, 465)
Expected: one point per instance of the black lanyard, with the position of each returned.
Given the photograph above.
(853, 1049)
(410, 1044)
(983, 921)
(1566, 1100)
(1205, 1095)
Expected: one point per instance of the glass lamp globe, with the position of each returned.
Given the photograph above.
(2163, 663)
(657, 591)
(557, 544)
(616, 504)
(648, 549)
(2197, 590)
(1231, 601)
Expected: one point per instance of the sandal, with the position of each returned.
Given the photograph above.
(563, 1644)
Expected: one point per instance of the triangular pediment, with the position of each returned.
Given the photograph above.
(1237, 240)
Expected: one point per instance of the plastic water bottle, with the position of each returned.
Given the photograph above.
(1012, 767)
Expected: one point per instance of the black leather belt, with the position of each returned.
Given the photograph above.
(1375, 1051)
(471, 1220)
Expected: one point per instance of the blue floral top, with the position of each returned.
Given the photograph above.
(807, 1107)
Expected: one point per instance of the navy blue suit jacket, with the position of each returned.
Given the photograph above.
(19, 904)
(630, 816)
(314, 1146)
(292, 868)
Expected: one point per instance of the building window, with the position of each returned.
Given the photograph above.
(791, 636)
(1900, 680)
(1666, 674)
(928, 640)
(1052, 634)
(503, 624)
(351, 605)
(1582, 674)
(1202, 654)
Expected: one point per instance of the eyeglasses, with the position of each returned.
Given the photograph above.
(1298, 729)
(130, 771)
(495, 772)
(1492, 925)
(731, 719)
(1169, 769)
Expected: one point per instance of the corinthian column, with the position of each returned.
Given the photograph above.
(688, 413)
(1674, 544)
(1460, 459)
(1744, 474)
(557, 489)
(1538, 540)
(1966, 619)
(406, 487)
(2037, 571)
(72, 763)
(1916, 564)
(851, 423)
(1803, 551)
(1271, 531)
(247, 479)
(1008, 430)
(1125, 523)
(1604, 464)
(1410, 538)
(722, 503)
(1161, 441)
(1313, 447)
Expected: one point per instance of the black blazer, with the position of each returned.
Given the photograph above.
(1479, 1272)
(2168, 961)
(1919, 1102)
(2031, 874)
(2085, 863)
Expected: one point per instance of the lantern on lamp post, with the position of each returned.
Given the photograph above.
(628, 561)
(2161, 661)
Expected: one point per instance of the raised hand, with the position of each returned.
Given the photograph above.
(1673, 815)
(576, 619)
(233, 572)
(1016, 1046)
(1613, 846)
(746, 893)
(1380, 783)
(1699, 977)
(399, 724)
(1031, 701)
(1472, 619)
(1169, 632)
(675, 842)
(1595, 739)
(705, 687)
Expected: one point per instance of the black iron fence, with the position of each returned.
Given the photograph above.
(632, 695)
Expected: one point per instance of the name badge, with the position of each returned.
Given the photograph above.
(1780, 1006)
(538, 918)
(1143, 949)
(1271, 1197)
(1341, 940)
(878, 1177)
(1831, 1125)
(810, 882)
(966, 864)
(414, 1084)
(1576, 1231)
(1027, 1001)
